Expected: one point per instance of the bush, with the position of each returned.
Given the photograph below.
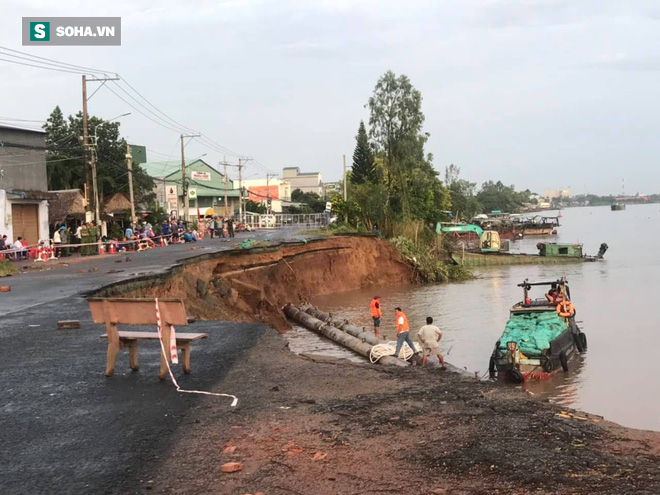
(429, 266)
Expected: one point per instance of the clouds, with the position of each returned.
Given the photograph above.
(510, 87)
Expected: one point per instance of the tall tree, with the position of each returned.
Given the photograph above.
(65, 164)
(364, 169)
(464, 204)
(396, 119)
(497, 196)
(65, 159)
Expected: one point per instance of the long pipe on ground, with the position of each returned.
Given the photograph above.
(366, 336)
(343, 338)
(356, 332)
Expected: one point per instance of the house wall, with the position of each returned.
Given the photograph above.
(6, 227)
(22, 160)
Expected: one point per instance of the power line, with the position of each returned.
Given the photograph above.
(89, 69)
(38, 66)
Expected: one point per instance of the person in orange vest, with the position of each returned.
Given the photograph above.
(376, 314)
(403, 332)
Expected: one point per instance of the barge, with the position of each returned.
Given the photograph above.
(541, 336)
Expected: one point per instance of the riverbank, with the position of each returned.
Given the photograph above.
(313, 425)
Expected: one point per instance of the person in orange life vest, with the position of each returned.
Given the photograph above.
(403, 332)
(376, 314)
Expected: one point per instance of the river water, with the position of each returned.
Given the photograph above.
(615, 299)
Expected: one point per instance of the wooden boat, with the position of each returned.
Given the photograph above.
(538, 225)
(540, 337)
(550, 253)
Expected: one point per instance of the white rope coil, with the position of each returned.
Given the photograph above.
(380, 350)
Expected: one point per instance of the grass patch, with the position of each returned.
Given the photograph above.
(7, 269)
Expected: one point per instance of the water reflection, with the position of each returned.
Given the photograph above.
(616, 301)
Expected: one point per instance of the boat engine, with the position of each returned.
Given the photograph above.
(603, 249)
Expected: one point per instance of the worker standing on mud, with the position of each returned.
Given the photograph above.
(403, 332)
(429, 335)
(376, 314)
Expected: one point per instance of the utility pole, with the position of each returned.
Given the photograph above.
(85, 143)
(129, 164)
(268, 200)
(224, 163)
(345, 195)
(344, 177)
(240, 191)
(90, 158)
(184, 179)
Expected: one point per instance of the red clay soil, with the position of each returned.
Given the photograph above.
(255, 285)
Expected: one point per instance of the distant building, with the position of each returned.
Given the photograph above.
(305, 181)
(23, 184)
(559, 193)
(276, 190)
(205, 182)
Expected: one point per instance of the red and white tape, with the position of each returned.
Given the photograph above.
(175, 359)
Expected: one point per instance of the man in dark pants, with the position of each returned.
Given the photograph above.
(230, 226)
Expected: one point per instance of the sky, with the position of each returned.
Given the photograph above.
(542, 94)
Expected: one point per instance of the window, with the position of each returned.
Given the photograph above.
(563, 250)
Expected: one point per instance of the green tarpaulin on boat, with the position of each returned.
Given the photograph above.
(532, 331)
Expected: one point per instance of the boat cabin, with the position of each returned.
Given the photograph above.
(556, 250)
(548, 302)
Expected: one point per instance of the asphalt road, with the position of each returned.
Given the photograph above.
(65, 427)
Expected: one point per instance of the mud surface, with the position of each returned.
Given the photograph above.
(378, 430)
(255, 285)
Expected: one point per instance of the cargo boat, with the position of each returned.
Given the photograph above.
(540, 338)
(537, 225)
(618, 206)
(550, 253)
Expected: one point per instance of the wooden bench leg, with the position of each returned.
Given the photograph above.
(113, 350)
(165, 357)
(133, 354)
(185, 357)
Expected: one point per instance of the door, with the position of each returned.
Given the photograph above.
(25, 222)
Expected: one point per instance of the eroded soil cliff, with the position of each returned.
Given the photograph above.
(254, 285)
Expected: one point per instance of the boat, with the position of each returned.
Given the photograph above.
(617, 206)
(537, 225)
(498, 221)
(540, 338)
(550, 253)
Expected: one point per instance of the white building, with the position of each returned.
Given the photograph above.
(23, 185)
(276, 190)
(305, 181)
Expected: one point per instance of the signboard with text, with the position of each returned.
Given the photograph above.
(201, 176)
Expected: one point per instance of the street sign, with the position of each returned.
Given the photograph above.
(328, 206)
(139, 154)
(172, 197)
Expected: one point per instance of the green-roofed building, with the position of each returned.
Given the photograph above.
(204, 182)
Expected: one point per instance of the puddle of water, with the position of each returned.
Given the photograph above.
(303, 341)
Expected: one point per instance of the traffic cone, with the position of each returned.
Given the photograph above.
(111, 248)
(101, 248)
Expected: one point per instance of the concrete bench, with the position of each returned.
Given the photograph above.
(120, 311)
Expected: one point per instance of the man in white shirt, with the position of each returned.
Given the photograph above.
(19, 247)
(429, 335)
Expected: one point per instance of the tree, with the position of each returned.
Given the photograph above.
(414, 191)
(464, 204)
(313, 202)
(364, 169)
(65, 159)
(65, 164)
(497, 196)
(254, 207)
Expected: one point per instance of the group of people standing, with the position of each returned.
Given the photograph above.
(429, 335)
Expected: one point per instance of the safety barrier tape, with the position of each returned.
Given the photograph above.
(173, 353)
